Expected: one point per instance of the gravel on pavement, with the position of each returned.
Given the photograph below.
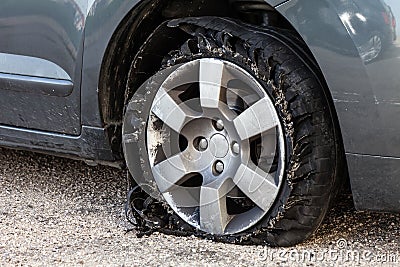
(56, 211)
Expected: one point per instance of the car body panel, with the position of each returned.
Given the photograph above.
(365, 91)
(366, 95)
(92, 145)
(103, 20)
(375, 182)
(48, 34)
(362, 94)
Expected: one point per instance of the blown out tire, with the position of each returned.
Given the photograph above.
(277, 84)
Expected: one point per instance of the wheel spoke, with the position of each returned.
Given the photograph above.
(170, 112)
(256, 119)
(170, 171)
(184, 197)
(213, 79)
(214, 216)
(257, 185)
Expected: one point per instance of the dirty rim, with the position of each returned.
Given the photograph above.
(215, 146)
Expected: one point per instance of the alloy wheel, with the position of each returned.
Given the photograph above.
(215, 146)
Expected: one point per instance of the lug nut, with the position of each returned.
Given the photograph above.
(219, 125)
(235, 148)
(203, 144)
(219, 167)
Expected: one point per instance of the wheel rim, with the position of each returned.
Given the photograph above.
(215, 146)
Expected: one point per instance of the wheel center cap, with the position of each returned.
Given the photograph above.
(219, 146)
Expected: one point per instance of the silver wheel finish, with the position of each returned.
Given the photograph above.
(222, 166)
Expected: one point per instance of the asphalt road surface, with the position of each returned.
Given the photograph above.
(56, 211)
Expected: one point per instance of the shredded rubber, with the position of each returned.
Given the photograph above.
(289, 75)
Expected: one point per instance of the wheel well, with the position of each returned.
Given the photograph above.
(140, 23)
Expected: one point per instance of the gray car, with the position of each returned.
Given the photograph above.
(236, 120)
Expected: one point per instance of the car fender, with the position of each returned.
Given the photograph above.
(365, 96)
(103, 19)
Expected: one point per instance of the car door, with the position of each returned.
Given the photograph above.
(41, 46)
